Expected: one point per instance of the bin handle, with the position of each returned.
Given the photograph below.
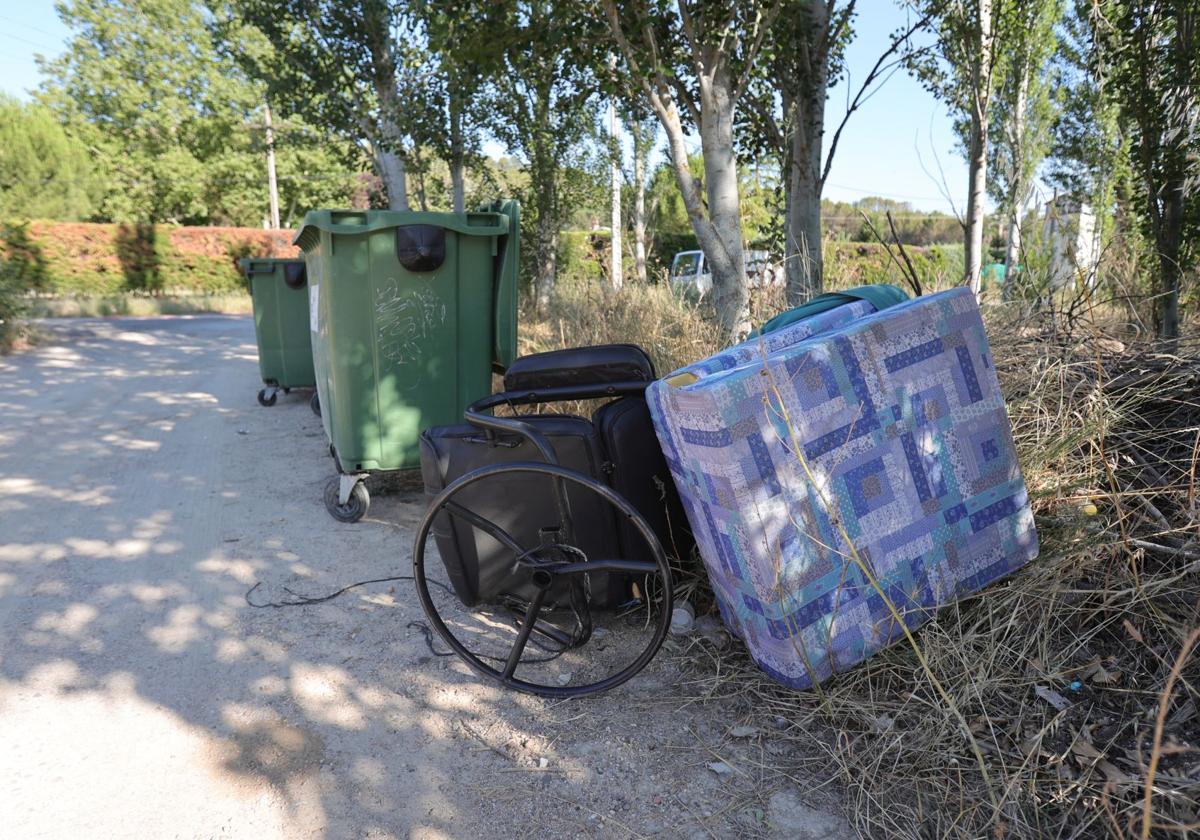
(505, 327)
(360, 222)
(347, 221)
(259, 267)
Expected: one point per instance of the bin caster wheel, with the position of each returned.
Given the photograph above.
(265, 400)
(315, 403)
(355, 507)
(287, 390)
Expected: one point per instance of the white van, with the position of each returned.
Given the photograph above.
(690, 274)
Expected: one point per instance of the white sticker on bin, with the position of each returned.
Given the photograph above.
(313, 297)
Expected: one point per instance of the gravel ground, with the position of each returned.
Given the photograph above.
(143, 491)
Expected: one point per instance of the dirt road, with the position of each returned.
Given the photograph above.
(142, 492)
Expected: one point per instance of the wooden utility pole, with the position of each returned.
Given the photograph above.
(272, 186)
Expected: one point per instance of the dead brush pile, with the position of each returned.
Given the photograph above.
(1060, 702)
(1076, 677)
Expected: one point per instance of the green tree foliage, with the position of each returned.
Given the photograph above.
(1089, 155)
(964, 71)
(1148, 54)
(541, 61)
(12, 305)
(357, 69)
(23, 268)
(759, 202)
(44, 172)
(173, 126)
(1024, 109)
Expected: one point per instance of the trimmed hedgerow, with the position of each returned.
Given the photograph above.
(80, 259)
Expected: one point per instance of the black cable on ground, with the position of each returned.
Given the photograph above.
(299, 600)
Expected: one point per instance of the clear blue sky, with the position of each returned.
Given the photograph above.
(27, 27)
(900, 128)
(881, 152)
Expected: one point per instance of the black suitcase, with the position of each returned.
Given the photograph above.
(617, 446)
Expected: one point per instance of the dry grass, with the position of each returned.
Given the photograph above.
(1074, 677)
(671, 331)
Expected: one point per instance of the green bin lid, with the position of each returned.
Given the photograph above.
(358, 222)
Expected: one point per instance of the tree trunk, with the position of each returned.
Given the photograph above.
(641, 151)
(387, 140)
(977, 149)
(1017, 185)
(976, 188)
(802, 219)
(389, 152)
(546, 256)
(1169, 242)
(726, 255)
(391, 171)
(272, 185)
(418, 179)
(457, 189)
(1012, 253)
(617, 271)
(802, 240)
(543, 184)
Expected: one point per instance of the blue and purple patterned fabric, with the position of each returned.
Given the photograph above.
(844, 474)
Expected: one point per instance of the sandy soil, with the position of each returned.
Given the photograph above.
(142, 492)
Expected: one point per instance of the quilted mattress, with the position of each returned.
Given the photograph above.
(846, 474)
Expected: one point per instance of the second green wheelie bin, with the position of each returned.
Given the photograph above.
(410, 314)
(279, 292)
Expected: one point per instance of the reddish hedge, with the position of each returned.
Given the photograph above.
(98, 259)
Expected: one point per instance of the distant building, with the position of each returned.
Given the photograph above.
(1070, 232)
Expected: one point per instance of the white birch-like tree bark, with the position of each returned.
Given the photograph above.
(391, 171)
(715, 216)
(980, 97)
(641, 153)
(1018, 188)
(616, 269)
(272, 184)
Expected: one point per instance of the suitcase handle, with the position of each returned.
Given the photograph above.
(562, 393)
(478, 412)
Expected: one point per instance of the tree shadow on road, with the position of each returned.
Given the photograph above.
(142, 493)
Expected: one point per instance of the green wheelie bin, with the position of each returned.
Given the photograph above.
(281, 326)
(410, 315)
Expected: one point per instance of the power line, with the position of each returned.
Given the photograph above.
(27, 41)
(886, 195)
(28, 26)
